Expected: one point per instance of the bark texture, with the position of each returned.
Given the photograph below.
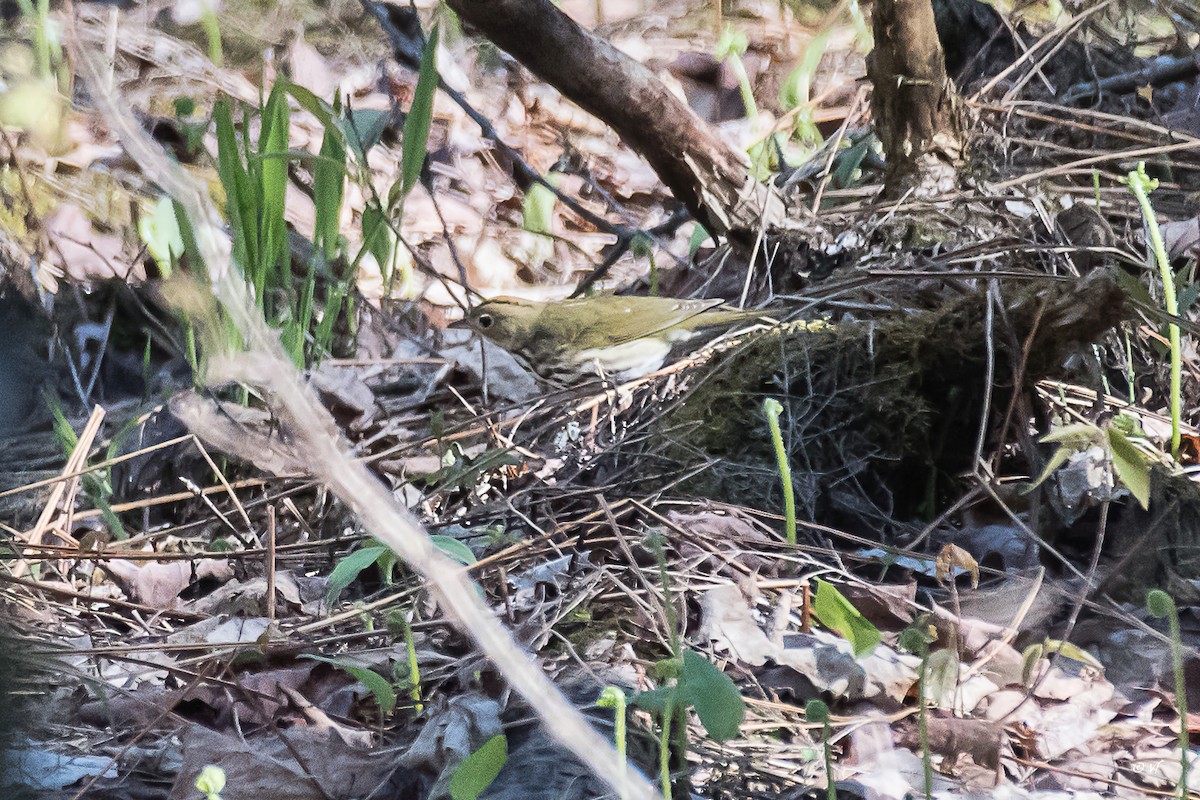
(711, 178)
(914, 102)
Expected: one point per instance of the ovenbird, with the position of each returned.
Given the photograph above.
(620, 338)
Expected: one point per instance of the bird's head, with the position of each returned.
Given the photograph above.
(506, 321)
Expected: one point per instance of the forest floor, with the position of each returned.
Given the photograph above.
(980, 518)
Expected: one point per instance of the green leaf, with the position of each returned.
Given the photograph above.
(917, 637)
(835, 612)
(1077, 435)
(314, 105)
(380, 688)
(796, 87)
(655, 700)
(323, 336)
(187, 237)
(273, 150)
(420, 115)
(849, 161)
(699, 237)
(1073, 652)
(211, 780)
(941, 676)
(1030, 658)
(538, 210)
(329, 182)
(1188, 296)
(816, 711)
(478, 770)
(377, 236)
(714, 696)
(1059, 458)
(350, 567)
(241, 200)
(454, 549)
(364, 128)
(160, 231)
(732, 42)
(1137, 291)
(1131, 466)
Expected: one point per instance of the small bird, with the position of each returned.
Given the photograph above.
(620, 338)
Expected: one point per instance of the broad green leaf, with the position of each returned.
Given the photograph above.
(714, 696)
(453, 548)
(364, 127)
(816, 711)
(655, 700)
(379, 687)
(350, 567)
(1131, 466)
(420, 115)
(917, 637)
(849, 161)
(538, 209)
(478, 770)
(835, 612)
(160, 231)
(1188, 296)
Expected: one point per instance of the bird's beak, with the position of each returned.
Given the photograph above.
(460, 325)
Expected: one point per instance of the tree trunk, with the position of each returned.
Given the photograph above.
(913, 102)
(706, 174)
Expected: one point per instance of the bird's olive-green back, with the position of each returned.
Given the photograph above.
(621, 336)
(593, 322)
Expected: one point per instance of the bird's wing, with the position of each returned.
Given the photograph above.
(616, 320)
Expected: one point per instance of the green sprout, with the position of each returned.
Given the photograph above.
(612, 697)
(211, 782)
(773, 408)
(1141, 185)
(1160, 605)
(731, 47)
(916, 639)
(817, 711)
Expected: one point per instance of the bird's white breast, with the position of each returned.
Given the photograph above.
(628, 360)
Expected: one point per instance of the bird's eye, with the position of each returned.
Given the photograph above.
(485, 321)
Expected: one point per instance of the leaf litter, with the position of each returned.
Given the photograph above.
(182, 651)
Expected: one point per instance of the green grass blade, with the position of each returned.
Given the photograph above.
(240, 201)
(420, 116)
(273, 150)
(329, 182)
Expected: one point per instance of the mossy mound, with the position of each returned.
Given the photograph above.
(881, 416)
